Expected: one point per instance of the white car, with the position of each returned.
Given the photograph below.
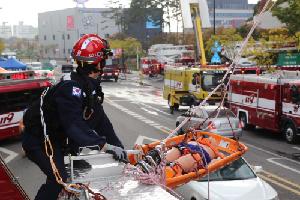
(234, 182)
(34, 66)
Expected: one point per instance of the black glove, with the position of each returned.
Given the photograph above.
(117, 152)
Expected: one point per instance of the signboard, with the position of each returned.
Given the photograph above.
(150, 24)
(288, 59)
(70, 22)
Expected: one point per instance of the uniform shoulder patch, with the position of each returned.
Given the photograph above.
(76, 91)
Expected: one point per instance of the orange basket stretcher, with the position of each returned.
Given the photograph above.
(229, 149)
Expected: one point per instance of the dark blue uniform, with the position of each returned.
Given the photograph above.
(97, 130)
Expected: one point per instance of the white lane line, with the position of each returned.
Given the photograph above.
(150, 112)
(271, 160)
(271, 153)
(137, 116)
(141, 139)
(298, 148)
(153, 108)
(11, 154)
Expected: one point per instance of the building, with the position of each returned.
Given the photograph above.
(230, 13)
(24, 31)
(5, 31)
(60, 29)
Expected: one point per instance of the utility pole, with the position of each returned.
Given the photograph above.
(214, 17)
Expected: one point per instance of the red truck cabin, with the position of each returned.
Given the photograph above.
(16, 94)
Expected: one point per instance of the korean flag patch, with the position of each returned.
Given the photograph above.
(76, 91)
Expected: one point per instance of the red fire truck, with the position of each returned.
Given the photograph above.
(151, 66)
(17, 91)
(270, 101)
(9, 185)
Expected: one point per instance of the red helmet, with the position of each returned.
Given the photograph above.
(90, 48)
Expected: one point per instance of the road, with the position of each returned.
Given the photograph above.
(140, 115)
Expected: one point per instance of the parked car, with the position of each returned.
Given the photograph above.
(34, 66)
(225, 124)
(233, 182)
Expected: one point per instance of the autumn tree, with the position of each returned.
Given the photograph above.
(2, 46)
(288, 12)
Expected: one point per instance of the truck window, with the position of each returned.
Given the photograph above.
(211, 80)
(16, 101)
(196, 79)
(295, 94)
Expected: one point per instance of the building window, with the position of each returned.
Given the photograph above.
(68, 36)
(45, 37)
(53, 36)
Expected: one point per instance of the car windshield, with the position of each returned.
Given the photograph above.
(222, 114)
(238, 170)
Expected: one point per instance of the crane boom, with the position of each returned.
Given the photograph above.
(195, 14)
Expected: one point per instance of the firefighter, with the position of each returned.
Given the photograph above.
(72, 111)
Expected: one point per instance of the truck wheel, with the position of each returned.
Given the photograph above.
(245, 124)
(290, 133)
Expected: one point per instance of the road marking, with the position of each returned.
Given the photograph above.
(279, 184)
(153, 108)
(11, 154)
(298, 148)
(271, 175)
(150, 112)
(271, 153)
(137, 116)
(271, 160)
(141, 139)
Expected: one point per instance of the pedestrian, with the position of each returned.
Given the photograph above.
(73, 112)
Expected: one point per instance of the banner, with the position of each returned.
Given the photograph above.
(70, 22)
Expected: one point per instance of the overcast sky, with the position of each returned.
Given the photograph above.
(27, 11)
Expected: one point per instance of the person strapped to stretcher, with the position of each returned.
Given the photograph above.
(190, 156)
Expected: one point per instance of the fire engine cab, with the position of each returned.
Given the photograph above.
(270, 101)
(17, 90)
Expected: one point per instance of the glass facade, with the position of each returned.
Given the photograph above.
(230, 13)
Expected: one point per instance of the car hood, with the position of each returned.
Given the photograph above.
(249, 189)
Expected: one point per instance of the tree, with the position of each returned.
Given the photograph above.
(129, 46)
(225, 36)
(287, 12)
(2, 46)
(272, 41)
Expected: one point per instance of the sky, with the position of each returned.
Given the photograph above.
(13, 11)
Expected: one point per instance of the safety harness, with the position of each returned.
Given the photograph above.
(72, 188)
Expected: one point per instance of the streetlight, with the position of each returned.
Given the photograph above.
(214, 17)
